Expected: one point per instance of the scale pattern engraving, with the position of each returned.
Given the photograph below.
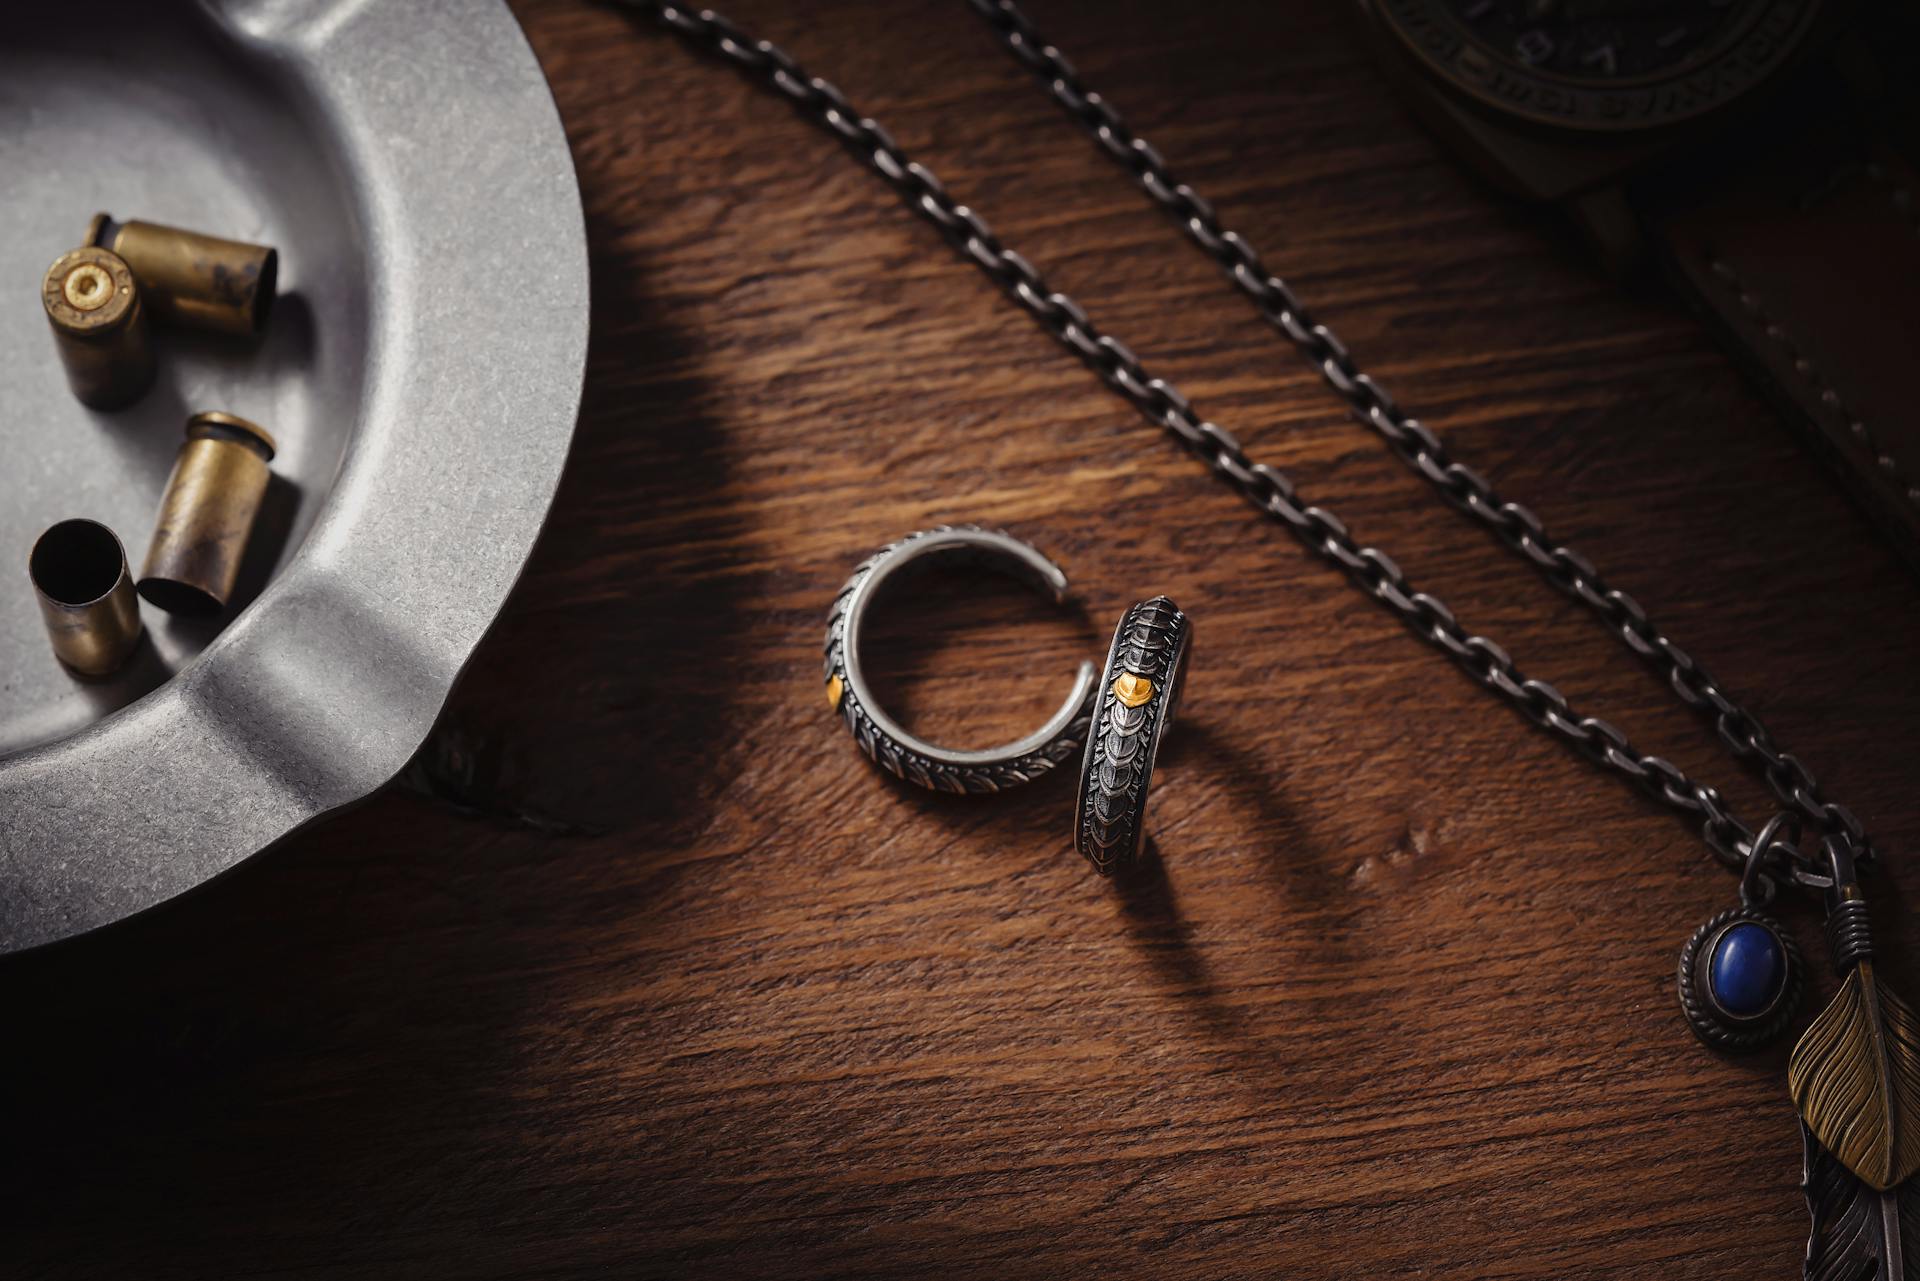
(1151, 642)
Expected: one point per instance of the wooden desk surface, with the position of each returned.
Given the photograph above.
(701, 996)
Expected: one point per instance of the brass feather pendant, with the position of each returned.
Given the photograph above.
(1855, 1076)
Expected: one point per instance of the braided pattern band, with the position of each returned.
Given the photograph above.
(1145, 666)
(903, 755)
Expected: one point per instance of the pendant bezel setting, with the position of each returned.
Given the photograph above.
(1715, 1024)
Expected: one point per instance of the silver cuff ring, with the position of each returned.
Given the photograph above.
(891, 747)
(1146, 669)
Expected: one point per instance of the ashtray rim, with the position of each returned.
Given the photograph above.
(321, 691)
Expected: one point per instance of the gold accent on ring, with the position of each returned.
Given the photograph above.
(1132, 690)
(835, 688)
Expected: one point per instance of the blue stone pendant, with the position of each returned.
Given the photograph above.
(1740, 980)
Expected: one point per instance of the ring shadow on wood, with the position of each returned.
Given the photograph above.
(967, 658)
(1274, 836)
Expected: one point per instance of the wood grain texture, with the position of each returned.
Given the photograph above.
(697, 994)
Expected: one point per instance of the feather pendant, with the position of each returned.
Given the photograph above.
(1855, 1077)
(1859, 1234)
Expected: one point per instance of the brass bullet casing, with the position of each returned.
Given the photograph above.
(99, 318)
(191, 279)
(206, 515)
(79, 572)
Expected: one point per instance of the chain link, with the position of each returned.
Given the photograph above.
(1269, 489)
(1409, 439)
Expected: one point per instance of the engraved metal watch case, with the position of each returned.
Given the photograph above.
(1600, 65)
(1551, 99)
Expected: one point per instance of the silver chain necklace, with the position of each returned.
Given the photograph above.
(1858, 1066)
(1269, 489)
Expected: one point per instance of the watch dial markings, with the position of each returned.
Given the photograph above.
(1605, 39)
(1533, 47)
(1603, 65)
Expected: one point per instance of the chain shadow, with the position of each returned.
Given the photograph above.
(1259, 788)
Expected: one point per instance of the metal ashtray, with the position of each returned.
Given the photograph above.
(421, 374)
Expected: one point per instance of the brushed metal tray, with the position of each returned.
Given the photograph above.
(422, 372)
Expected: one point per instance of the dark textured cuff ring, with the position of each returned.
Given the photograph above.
(1145, 669)
(879, 736)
